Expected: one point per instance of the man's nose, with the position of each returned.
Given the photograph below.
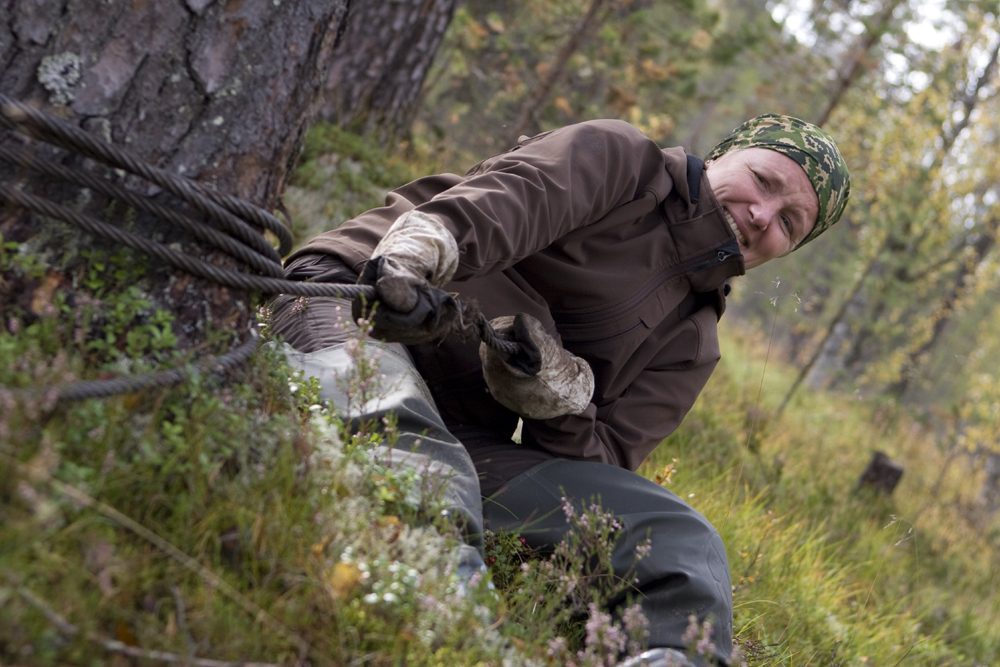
(763, 213)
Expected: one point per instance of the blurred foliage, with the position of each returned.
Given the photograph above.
(657, 65)
(824, 573)
(340, 175)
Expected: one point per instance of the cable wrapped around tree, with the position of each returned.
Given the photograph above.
(231, 225)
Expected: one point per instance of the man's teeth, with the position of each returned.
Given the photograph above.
(732, 225)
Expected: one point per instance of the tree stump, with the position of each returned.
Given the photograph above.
(882, 474)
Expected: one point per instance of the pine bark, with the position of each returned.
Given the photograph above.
(387, 50)
(216, 91)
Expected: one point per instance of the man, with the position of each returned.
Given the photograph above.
(612, 256)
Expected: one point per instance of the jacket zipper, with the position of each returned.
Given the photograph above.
(702, 263)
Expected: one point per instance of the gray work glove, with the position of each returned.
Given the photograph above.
(543, 380)
(417, 251)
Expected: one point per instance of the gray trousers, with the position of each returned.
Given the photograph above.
(317, 336)
(686, 571)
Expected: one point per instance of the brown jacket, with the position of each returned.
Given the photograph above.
(592, 229)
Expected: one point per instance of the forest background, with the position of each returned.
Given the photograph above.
(882, 337)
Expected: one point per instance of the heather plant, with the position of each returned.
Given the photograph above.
(570, 588)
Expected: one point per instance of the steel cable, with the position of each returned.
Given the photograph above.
(22, 118)
(226, 213)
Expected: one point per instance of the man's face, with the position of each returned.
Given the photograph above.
(767, 200)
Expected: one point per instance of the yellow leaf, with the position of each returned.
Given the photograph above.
(495, 23)
(563, 105)
(701, 40)
(342, 579)
(654, 72)
(621, 100)
(318, 548)
(478, 29)
(41, 299)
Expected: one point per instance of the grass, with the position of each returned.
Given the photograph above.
(824, 573)
(237, 520)
(340, 175)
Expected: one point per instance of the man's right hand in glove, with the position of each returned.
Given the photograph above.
(417, 251)
(541, 381)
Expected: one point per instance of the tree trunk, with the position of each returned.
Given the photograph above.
(833, 339)
(217, 91)
(387, 50)
(855, 62)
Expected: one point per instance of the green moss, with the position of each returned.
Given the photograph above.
(340, 175)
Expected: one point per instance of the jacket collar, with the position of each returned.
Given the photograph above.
(704, 241)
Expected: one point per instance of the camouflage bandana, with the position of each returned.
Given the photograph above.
(812, 148)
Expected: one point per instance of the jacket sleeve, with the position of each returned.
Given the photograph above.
(515, 204)
(624, 430)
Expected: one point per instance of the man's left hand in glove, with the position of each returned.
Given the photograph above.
(417, 251)
(416, 256)
(541, 381)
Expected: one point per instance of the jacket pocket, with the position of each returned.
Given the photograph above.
(692, 343)
(626, 329)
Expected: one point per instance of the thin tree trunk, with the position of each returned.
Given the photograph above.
(854, 63)
(826, 346)
(945, 311)
(539, 96)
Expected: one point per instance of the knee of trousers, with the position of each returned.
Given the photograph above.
(684, 573)
(685, 570)
(422, 444)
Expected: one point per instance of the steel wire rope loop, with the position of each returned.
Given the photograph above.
(193, 265)
(199, 231)
(223, 210)
(124, 385)
(23, 118)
